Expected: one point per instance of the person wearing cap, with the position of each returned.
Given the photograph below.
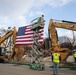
(74, 56)
(56, 58)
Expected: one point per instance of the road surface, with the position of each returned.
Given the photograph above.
(13, 69)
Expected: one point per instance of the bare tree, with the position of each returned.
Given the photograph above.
(2, 31)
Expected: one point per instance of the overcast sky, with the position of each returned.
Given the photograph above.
(20, 12)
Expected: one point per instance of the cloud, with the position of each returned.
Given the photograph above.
(14, 7)
(20, 7)
(57, 3)
(35, 13)
(5, 22)
(53, 3)
(65, 32)
(12, 11)
(20, 20)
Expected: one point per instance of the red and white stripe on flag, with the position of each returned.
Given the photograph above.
(25, 34)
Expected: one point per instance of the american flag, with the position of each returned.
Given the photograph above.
(25, 34)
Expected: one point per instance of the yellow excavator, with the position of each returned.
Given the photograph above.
(17, 51)
(3, 38)
(65, 52)
(2, 54)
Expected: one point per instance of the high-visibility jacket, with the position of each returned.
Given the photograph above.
(75, 54)
(56, 57)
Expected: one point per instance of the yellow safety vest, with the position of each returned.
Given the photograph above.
(56, 57)
(40, 21)
(75, 54)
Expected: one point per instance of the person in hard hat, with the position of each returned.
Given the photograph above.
(74, 56)
(40, 20)
(56, 58)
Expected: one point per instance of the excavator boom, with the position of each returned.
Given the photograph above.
(63, 24)
(2, 39)
(8, 34)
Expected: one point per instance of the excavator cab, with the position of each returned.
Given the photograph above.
(2, 54)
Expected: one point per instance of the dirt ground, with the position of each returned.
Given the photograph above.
(14, 69)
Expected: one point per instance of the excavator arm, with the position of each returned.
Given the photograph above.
(8, 34)
(17, 51)
(5, 37)
(54, 37)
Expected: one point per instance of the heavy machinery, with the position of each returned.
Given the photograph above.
(36, 54)
(8, 34)
(2, 39)
(35, 64)
(53, 24)
(17, 51)
(2, 54)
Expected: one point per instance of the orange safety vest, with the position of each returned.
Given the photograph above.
(56, 57)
